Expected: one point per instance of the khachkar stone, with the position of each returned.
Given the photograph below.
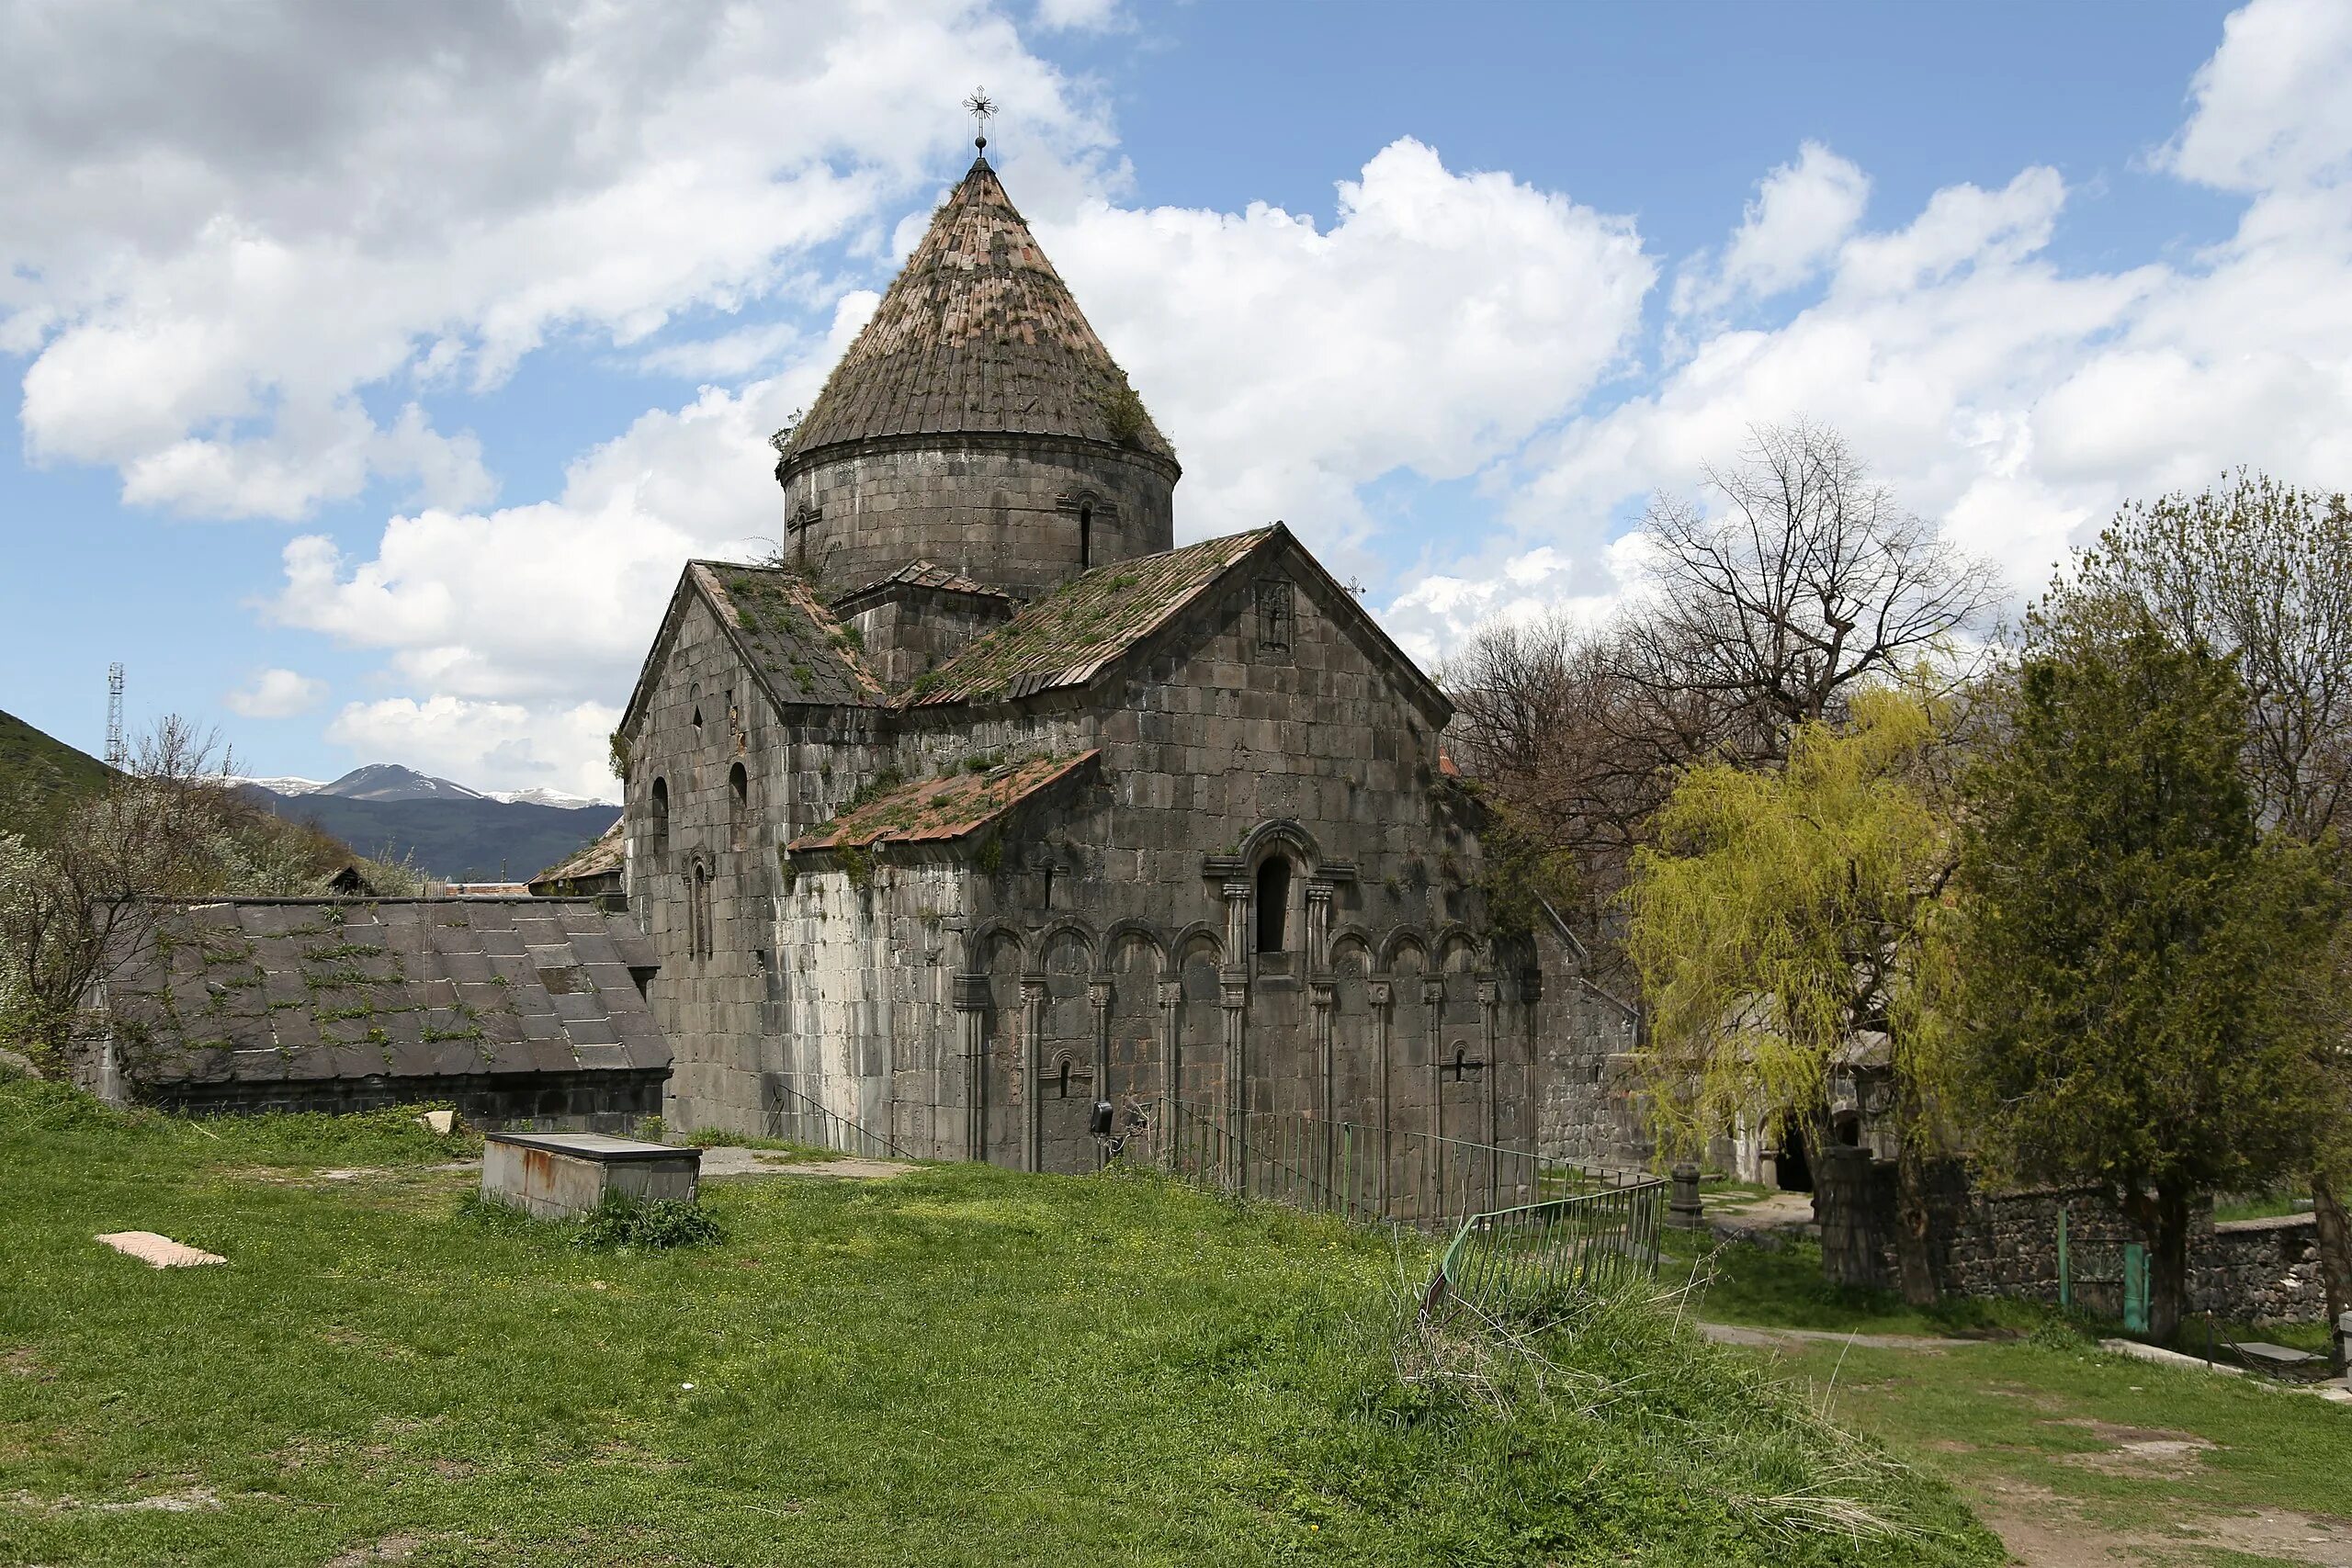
(977, 424)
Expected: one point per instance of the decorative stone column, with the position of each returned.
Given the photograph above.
(1233, 995)
(972, 1032)
(1321, 996)
(1433, 1003)
(1171, 1047)
(1489, 998)
(1032, 1029)
(1098, 997)
(1318, 927)
(1377, 995)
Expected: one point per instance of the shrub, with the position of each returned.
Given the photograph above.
(622, 1222)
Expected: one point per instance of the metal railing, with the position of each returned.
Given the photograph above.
(797, 1119)
(1358, 1171)
(1514, 1257)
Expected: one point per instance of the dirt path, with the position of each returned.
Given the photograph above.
(724, 1161)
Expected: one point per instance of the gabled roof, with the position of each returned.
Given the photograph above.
(942, 810)
(978, 333)
(796, 648)
(923, 574)
(247, 990)
(607, 855)
(1066, 637)
(787, 634)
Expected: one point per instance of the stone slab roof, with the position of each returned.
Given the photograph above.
(944, 808)
(922, 574)
(789, 637)
(1065, 637)
(607, 855)
(978, 333)
(316, 988)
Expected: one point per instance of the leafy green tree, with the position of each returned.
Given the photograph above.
(2262, 572)
(1781, 915)
(2137, 964)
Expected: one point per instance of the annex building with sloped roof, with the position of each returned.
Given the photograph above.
(982, 802)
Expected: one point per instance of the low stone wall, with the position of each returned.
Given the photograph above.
(589, 1100)
(2005, 1244)
(2260, 1270)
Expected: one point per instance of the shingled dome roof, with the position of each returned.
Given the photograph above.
(978, 333)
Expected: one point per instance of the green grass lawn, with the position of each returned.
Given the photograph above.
(956, 1366)
(2036, 1426)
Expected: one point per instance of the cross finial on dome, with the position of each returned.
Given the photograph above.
(982, 108)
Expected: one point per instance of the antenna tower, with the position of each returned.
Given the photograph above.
(117, 754)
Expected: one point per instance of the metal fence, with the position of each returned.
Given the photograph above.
(1513, 1257)
(795, 1118)
(1360, 1172)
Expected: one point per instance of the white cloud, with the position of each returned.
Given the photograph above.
(1442, 319)
(1803, 212)
(1078, 16)
(277, 694)
(2016, 402)
(2272, 106)
(213, 237)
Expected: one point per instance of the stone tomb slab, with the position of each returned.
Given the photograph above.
(159, 1251)
(557, 1175)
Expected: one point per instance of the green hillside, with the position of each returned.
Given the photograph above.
(38, 773)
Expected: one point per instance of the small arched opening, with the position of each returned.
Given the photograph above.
(739, 805)
(661, 814)
(1273, 904)
(1085, 535)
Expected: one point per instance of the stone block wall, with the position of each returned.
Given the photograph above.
(1016, 512)
(2005, 1244)
(1070, 951)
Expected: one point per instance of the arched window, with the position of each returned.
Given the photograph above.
(661, 814)
(1274, 902)
(739, 805)
(1085, 535)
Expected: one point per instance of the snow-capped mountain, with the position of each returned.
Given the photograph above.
(444, 829)
(287, 787)
(543, 798)
(389, 781)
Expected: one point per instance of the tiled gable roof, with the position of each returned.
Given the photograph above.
(1066, 637)
(922, 574)
(940, 810)
(606, 855)
(978, 333)
(249, 989)
(792, 639)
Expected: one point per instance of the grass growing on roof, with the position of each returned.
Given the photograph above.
(960, 1366)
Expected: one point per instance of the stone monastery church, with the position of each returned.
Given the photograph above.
(983, 803)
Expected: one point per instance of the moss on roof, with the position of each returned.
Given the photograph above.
(793, 640)
(978, 333)
(939, 809)
(1065, 637)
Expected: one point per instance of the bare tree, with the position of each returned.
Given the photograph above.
(1803, 581)
(1803, 577)
(77, 903)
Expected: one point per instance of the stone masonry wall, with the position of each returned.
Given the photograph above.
(1005, 511)
(1097, 929)
(2005, 1244)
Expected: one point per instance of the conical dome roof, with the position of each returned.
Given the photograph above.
(978, 333)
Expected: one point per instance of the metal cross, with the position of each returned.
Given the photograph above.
(982, 108)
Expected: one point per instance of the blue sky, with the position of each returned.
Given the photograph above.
(373, 384)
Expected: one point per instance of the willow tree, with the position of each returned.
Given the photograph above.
(1781, 916)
